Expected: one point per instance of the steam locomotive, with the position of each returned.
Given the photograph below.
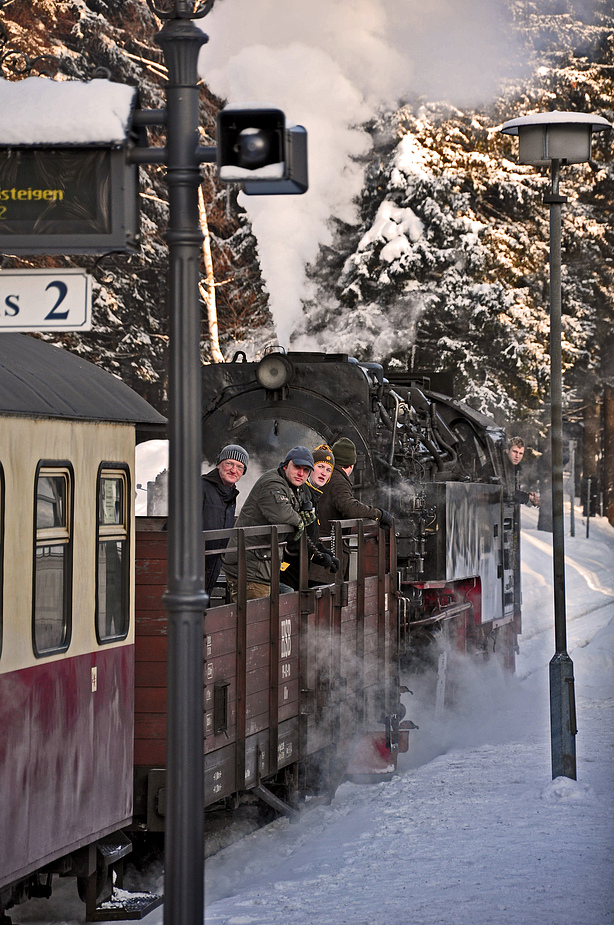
(439, 466)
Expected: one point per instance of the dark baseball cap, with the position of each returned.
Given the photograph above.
(300, 456)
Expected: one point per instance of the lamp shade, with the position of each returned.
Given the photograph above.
(564, 136)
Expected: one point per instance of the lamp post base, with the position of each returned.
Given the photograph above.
(562, 716)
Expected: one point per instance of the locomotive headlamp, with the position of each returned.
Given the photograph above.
(274, 371)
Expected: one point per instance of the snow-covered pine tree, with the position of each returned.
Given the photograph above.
(447, 268)
(75, 40)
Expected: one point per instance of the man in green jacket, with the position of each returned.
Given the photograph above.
(276, 498)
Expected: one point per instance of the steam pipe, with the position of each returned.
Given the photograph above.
(440, 440)
(394, 426)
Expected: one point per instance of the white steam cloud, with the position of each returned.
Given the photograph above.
(330, 64)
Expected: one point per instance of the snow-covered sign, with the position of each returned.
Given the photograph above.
(66, 184)
(39, 111)
(45, 300)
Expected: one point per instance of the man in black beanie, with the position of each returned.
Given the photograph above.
(220, 502)
(338, 501)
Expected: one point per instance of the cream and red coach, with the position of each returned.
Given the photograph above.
(67, 446)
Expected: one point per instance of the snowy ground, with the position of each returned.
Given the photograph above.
(473, 830)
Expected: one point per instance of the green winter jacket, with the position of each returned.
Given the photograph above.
(272, 500)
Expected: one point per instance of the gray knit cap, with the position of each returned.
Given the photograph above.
(233, 451)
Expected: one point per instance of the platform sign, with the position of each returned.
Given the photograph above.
(67, 201)
(45, 300)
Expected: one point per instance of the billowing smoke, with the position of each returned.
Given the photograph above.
(330, 65)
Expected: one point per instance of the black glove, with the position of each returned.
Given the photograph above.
(326, 560)
(385, 520)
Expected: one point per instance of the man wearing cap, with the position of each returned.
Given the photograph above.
(322, 564)
(219, 503)
(338, 501)
(276, 498)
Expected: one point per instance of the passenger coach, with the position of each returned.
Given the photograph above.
(67, 442)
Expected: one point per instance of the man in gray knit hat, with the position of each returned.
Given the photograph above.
(220, 502)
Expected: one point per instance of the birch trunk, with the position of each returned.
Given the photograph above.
(207, 287)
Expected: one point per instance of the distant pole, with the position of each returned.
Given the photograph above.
(562, 695)
(572, 487)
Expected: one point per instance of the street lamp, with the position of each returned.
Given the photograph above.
(556, 138)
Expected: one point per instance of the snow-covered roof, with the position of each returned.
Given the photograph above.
(39, 111)
(38, 379)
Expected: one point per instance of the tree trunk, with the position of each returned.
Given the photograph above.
(207, 288)
(591, 455)
(608, 454)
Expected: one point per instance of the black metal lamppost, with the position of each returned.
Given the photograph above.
(185, 599)
(552, 139)
(254, 147)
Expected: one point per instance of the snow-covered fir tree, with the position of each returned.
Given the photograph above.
(447, 268)
(82, 39)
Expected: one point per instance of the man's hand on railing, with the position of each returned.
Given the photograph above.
(327, 560)
(385, 520)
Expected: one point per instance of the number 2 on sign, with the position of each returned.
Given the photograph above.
(54, 314)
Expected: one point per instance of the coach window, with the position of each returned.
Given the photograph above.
(113, 573)
(53, 559)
